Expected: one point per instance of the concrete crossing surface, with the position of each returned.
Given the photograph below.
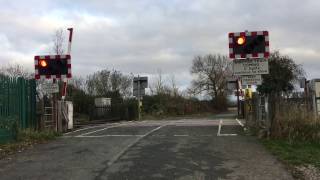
(168, 149)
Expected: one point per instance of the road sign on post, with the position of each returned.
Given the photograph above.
(250, 67)
(50, 88)
(139, 85)
(249, 51)
(251, 80)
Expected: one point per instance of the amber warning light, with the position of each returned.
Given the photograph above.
(241, 40)
(43, 63)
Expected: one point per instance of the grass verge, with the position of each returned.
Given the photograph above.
(25, 139)
(296, 153)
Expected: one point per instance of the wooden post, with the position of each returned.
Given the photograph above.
(55, 109)
(238, 94)
(139, 98)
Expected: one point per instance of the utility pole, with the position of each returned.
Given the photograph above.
(306, 94)
(139, 111)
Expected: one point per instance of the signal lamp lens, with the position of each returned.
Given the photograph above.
(43, 63)
(241, 40)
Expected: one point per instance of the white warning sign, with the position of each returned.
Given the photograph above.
(250, 67)
(251, 80)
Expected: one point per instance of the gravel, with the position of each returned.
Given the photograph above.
(307, 172)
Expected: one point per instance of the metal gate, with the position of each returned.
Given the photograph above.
(17, 105)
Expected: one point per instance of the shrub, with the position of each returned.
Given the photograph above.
(167, 105)
(294, 122)
(30, 135)
(9, 124)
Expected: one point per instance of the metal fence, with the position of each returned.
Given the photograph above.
(17, 105)
(117, 111)
(260, 111)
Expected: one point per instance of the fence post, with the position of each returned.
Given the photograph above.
(33, 102)
(19, 96)
(267, 110)
(8, 98)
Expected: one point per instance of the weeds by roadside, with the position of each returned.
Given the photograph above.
(295, 140)
(36, 136)
(295, 153)
(26, 138)
(302, 157)
(295, 123)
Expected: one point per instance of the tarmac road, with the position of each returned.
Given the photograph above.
(178, 149)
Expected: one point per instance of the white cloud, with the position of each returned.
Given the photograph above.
(301, 52)
(143, 36)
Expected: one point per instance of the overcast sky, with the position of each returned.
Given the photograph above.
(142, 36)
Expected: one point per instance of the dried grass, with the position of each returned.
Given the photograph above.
(293, 122)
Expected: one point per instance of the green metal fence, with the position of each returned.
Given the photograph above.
(17, 105)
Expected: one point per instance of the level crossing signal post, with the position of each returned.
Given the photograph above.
(249, 52)
(139, 85)
(53, 67)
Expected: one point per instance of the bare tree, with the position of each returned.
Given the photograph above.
(58, 42)
(78, 83)
(104, 82)
(16, 70)
(121, 83)
(159, 86)
(211, 73)
(98, 83)
(90, 85)
(174, 88)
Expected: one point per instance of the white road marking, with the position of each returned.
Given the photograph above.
(110, 135)
(100, 130)
(155, 129)
(83, 129)
(138, 135)
(181, 135)
(115, 158)
(220, 123)
(159, 135)
(228, 135)
(219, 130)
(239, 122)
